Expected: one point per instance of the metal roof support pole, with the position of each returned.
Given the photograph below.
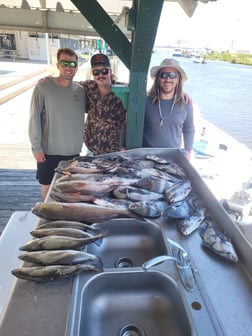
(145, 15)
(106, 28)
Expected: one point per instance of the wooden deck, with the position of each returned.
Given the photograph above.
(19, 191)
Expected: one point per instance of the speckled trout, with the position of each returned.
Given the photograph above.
(78, 211)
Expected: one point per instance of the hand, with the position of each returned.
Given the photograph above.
(39, 157)
(186, 98)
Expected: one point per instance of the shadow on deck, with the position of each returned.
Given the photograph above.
(19, 191)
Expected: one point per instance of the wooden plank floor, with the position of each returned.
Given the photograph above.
(19, 191)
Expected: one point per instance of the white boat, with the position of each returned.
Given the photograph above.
(199, 59)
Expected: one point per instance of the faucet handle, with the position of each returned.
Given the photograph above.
(179, 247)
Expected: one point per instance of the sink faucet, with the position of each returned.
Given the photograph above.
(183, 264)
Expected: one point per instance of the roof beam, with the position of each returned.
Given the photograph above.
(107, 28)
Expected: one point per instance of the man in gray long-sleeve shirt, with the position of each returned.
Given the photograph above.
(57, 118)
(168, 119)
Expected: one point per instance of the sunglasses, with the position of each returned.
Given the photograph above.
(64, 64)
(97, 72)
(170, 74)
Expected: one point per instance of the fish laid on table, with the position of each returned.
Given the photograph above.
(137, 164)
(52, 272)
(156, 158)
(191, 223)
(151, 209)
(59, 243)
(136, 194)
(67, 224)
(61, 257)
(70, 197)
(78, 211)
(84, 187)
(67, 232)
(177, 210)
(76, 167)
(178, 192)
(216, 241)
(153, 183)
(112, 202)
(161, 174)
(172, 168)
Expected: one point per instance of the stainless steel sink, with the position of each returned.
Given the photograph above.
(132, 303)
(129, 243)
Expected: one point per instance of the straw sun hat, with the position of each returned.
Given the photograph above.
(171, 63)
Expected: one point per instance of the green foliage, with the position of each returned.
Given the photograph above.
(231, 57)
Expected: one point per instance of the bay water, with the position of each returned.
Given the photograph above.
(223, 92)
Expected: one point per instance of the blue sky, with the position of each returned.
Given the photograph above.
(221, 24)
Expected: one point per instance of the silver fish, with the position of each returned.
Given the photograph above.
(151, 209)
(66, 224)
(59, 243)
(66, 232)
(84, 187)
(177, 210)
(138, 164)
(156, 158)
(216, 241)
(153, 183)
(70, 197)
(172, 168)
(112, 202)
(160, 174)
(61, 257)
(190, 223)
(178, 192)
(78, 211)
(136, 194)
(52, 272)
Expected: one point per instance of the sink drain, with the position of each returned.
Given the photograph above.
(123, 262)
(132, 330)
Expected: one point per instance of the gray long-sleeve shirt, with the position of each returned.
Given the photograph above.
(177, 128)
(56, 123)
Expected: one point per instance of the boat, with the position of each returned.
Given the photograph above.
(199, 60)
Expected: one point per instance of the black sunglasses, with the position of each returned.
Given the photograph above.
(97, 72)
(170, 74)
(64, 63)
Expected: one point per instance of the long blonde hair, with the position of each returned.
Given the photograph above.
(154, 91)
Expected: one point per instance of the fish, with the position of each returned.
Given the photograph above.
(70, 197)
(76, 167)
(61, 257)
(52, 272)
(177, 210)
(151, 209)
(160, 174)
(59, 243)
(66, 224)
(172, 168)
(77, 212)
(216, 241)
(137, 164)
(178, 192)
(84, 187)
(66, 232)
(136, 194)
(156, 158)
(89, 177)
(112, 202)
(190, 223)
(153, 183)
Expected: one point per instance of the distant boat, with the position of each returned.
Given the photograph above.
(199, 59)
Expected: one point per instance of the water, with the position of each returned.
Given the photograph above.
(223, 93)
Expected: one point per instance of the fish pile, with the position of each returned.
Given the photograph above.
(56, 251)
(97, 189)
